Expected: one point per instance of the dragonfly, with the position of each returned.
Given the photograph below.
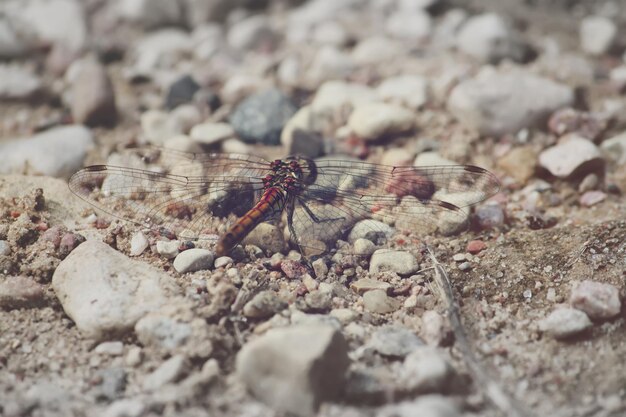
(320, 201)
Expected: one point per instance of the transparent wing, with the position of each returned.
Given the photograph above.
(186, 202)
(413, 199)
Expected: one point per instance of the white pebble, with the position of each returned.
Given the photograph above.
(138, 244)
(193, 260)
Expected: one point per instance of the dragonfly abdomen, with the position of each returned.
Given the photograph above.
(271, 203)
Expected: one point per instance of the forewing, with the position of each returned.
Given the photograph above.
(214, 186)
(415, 199)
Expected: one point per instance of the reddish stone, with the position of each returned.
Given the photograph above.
(292, 269)
(476, 246)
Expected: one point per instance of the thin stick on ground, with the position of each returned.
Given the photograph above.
(491, 388)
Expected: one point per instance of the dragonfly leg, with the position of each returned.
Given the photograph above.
(314, 217)
(294, 237)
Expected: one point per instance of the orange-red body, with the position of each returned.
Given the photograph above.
(272, 201)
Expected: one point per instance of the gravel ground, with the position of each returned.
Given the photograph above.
(102, 317)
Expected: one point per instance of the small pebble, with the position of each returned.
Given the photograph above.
(5, 248)
(489, 216)
(476, 246)
(394, 340)
(377, 301)
(400, 262)
(93, 96)
(464, 266)
(364, 247)
(181, 91)
(171, 370)
(570, 156)
(458, 257)
(260, 117)
(591, 198)
(425, 370)
(264, 304)
(138, 244)
(597, 34)
(565, 322)
(597, 299)
(134, 356)
(320, 268)
(20, 292)
(193, 260)
(374, 121)
(223, 261)
(293, 269)
(211, 133)
(168, 249)
(367, 284)
(110, 348)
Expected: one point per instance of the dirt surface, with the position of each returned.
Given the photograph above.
(545, 245)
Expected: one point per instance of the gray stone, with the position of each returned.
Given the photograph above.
(58, 152)
(407, 90)
(364, 247)
(571, 156)
(394, 341)
(615, 148)
(266, 236)
(300, 135)
(489, 38)
(93, 97)
(597, 299)
(192, 260)
(377, 301)
(498, 103)
(18, 83)
(105, 293)
(374, 121)
(161, 331)
(371, 230)
(5, 248)
(20, 292)
(565, 322)
(363, 285)
(110, 348)
(211, 133)
(112, 383)
(597, 34)
(263, 305)
(261, 117)
(400, 262)
(295, 369)
(425, 370)
(168, 249)
(171, 370)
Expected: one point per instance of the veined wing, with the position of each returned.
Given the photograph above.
(415, 199)
(185, 204)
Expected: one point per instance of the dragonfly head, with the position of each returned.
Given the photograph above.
(303, 168)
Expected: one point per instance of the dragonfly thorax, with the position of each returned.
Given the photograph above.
(291, 174)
